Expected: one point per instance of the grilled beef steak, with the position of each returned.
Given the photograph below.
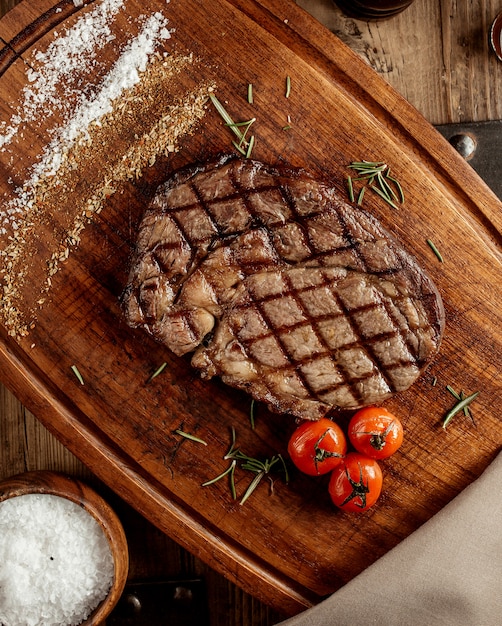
(281, 288)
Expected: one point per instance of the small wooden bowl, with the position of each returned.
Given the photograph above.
(54, 483)
(496, 36)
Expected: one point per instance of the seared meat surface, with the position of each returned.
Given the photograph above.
(281, 288)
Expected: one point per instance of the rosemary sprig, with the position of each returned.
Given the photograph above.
(243, 146)
(261, 469)
(186, 435)
(376, 175)
(459, 396)
(75, 370)
(459, 406)
(256, 466)
(435, 250)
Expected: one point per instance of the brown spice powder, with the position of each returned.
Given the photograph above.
(147, 121)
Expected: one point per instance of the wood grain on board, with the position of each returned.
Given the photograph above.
(289, 548)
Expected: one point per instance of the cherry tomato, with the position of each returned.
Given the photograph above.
(356, 483)
(317, 447)
(375, 432)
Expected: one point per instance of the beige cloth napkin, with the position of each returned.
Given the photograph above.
(448, 572)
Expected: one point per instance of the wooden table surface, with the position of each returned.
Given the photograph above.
(438, 56)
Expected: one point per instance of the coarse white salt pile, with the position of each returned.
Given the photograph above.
(56, 564)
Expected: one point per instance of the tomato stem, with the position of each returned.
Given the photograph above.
(359, 489)
(321, 454)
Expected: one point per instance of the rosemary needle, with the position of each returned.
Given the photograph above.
(182, 433)
(288, 86)
(350, 188)
(230, 471)
(459, 397)
(383, 195)
(360, 196)
(74, 369)
(250, 93)
(251, 414)
(250, 147)
(158, 371)
(453, 392)
(435, 250)
(398, 185)
(252, 486)
(225, 115)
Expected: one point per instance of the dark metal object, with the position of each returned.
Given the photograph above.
(372, 9)
(162, 603)
(480, 143)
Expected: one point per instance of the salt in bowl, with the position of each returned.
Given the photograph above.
(75, 491)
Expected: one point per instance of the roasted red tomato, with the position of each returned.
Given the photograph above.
(375, 432)
(317, 447)
(356, 483)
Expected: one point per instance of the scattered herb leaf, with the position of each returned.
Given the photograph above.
(453, 392)
(74, 369)
(288, 86)
(460, 396)
(230, 471)
(460, 405)
(383, 194)
(182, 433)
(251, 414)
(250, 464)
(398, 186)
(250, 93)
(435, 250)
(250, 147)
(350, 188)
(376, 176)
(158, 371)
(243, 146)
(360, 196)
(261, 469)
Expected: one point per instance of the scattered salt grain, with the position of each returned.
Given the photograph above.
(54, 85)
(55, 562)
(123, 75)
(85, 109)
(91, 107)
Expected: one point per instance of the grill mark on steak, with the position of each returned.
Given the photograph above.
(275, 331)
(281, 288)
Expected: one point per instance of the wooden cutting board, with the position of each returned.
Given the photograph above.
(64, 268)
